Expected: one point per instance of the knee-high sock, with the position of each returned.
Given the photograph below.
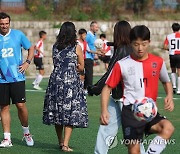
(173, 79)
(157, 145)
(178, 83)
(39, 79)
(35, 80)
(142, 149)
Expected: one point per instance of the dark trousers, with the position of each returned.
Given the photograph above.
(88, 73)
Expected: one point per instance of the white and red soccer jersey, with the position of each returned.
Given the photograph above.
(39, 45)
(84, 47)
(140, 78)
(106, 48)
(173, 41)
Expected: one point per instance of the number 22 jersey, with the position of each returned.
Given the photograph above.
(11, 56)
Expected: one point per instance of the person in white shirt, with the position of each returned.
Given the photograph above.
(106, 50)
(38, 56)
(172, 43)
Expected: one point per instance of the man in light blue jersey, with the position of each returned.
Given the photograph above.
(12, 78)
(89, 57)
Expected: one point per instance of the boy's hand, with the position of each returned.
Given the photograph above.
(169, 103)
(104, 119)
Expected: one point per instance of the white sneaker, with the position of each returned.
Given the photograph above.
(178, 92)
(85, 92)
(6, 144)
(37, 87)
(29, 140)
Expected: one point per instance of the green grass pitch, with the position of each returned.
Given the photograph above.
(82, 140)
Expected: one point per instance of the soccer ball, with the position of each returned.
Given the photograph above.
(144, 109)
(98, 43)
(103, 28)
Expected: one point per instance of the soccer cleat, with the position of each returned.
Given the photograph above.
(37, 87)
(6, 144)
(29, 140)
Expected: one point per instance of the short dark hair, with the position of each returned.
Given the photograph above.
(175, 27)
(102, 35)
(41, 33)
(82, 31)
(4, 15)
(139, 31)
(92, 23)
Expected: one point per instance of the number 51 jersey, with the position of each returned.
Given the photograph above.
(140, 78)
(11, 55)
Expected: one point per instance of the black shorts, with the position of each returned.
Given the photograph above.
(105, 59)
(14, 91)
(39, 63)
(134, 129)
(174, 61)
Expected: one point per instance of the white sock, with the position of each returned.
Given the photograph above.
(142, 149)
(157, 145)
(34, 82)
(7, 136)
(178, 83)
(25, 130)
(39, 79)
(173, 78)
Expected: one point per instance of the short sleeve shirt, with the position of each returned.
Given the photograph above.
(11, 55)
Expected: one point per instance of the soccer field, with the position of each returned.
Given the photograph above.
(82, 140)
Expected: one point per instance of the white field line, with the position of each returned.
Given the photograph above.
(42, 91)
(164, 97)
(30, 90)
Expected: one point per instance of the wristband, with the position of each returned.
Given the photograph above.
(28, 61)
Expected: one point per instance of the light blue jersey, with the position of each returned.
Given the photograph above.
(11, 55)
(90, 38)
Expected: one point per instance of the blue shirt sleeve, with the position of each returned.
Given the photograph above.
(26, 44)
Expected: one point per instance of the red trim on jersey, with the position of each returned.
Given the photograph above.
(151, 71)
(40, 44)
(166, 41)
(177, 52)
(37, 55)
(85, 48)
(177, 35)
(115, 76)
(106, 48)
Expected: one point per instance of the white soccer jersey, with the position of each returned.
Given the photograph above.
(140, 78)
(39, 45)
(82, 45)
(173, 41)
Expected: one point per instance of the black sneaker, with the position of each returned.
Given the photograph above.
(174, 90)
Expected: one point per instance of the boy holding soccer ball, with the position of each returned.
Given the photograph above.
(140, 73)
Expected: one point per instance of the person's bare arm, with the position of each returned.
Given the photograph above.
(25, 65)
(104, 105)
(166, 47)
(79, 53)
(168, 101)
(98, 52)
